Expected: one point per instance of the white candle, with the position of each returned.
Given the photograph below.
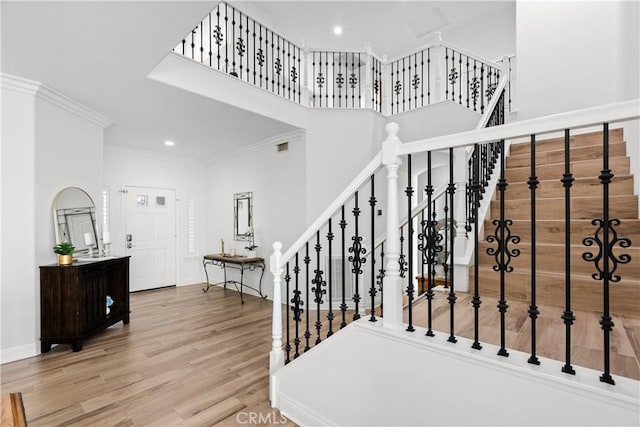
(106, 237)
(88, 240)
(105, 227)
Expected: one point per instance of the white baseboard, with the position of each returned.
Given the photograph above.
(17, 353)
(301, 414)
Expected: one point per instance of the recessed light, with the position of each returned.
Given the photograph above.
(169, 143)
(337, 30)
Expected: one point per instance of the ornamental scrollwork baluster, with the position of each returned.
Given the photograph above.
(599, 258)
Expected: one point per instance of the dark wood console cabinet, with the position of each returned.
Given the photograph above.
(73, 300)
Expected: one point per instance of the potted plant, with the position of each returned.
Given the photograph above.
(65, 253)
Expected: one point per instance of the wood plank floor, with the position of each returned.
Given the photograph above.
(189, 358)
(186, 358)
(587, 336)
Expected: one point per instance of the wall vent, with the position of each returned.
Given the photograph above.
(283, 146)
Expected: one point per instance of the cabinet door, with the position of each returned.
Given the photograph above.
(95, 296)
(117, 278)
(60, 303)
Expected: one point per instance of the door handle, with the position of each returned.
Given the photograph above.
(130, 245)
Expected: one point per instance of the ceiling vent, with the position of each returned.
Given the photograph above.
(283, 146)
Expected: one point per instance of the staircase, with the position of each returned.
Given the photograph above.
(586, 204)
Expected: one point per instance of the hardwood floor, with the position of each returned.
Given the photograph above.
(189, 358)
(186, 358)
(587, 338)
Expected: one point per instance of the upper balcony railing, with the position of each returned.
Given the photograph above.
(232, 42)
(236, 44)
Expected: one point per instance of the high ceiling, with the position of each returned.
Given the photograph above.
(100, 52)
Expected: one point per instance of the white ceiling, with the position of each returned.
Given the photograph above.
(99, 53)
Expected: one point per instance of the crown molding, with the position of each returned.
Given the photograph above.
(294, 136)
(54, 97)
(150, 155)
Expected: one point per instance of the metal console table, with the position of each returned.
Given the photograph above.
(241, 263)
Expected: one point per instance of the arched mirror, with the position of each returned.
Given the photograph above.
(74, 219)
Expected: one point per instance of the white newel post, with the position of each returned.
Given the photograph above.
(276, 357)
(385, 92)
(460, 178)
(392, 282)
(306, 75)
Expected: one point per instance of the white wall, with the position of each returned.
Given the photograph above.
(340, 143)
(277, 181)
(570, 55)
(434, 120)
(19, 268)
(49, 142)
(186, 176)
(491, 37)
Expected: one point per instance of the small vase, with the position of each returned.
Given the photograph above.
(65, 259)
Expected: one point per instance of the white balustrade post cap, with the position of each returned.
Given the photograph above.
(390, 145)
(392, 129)
(277, 246)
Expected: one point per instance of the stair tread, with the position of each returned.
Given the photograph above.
(562, 163)
(580, 178)
(597, 196)
(559, 274)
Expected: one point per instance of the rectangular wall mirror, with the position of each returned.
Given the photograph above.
(243, 215)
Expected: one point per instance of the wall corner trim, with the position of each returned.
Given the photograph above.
(54, 97)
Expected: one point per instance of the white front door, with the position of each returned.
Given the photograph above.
(150, 234)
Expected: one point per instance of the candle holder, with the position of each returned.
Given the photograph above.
(90, 253)
(106, 249)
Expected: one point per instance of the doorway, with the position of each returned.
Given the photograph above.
(150, 236)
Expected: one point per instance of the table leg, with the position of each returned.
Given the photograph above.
(260, 284)
(204, 265)
(241, 283)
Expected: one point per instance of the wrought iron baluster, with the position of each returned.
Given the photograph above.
(422, 78)
(372, 291)
(410, 288)
(289, 69)
(233, 38)
(402, 261)
(446, 65)
(297, 310)
(359, 85)
(319, 288)
(567, 316)
(247, 40)
(254, 53)
(330, 237)
(260, 54)
(326, 70)
(357, 258)
(287, 347)
(313, 65)
(605, 260)
(533, 308)
(445, 264)
(429, 76)
(210, 46)
(502, 253)
(307, 332)
(299, 76)
(403, 86)
(475, 189)
(343, 306)
(226, 36)
(240, 45)
(380, 278)
(482, 94)
(451, 190)
(460, 78)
